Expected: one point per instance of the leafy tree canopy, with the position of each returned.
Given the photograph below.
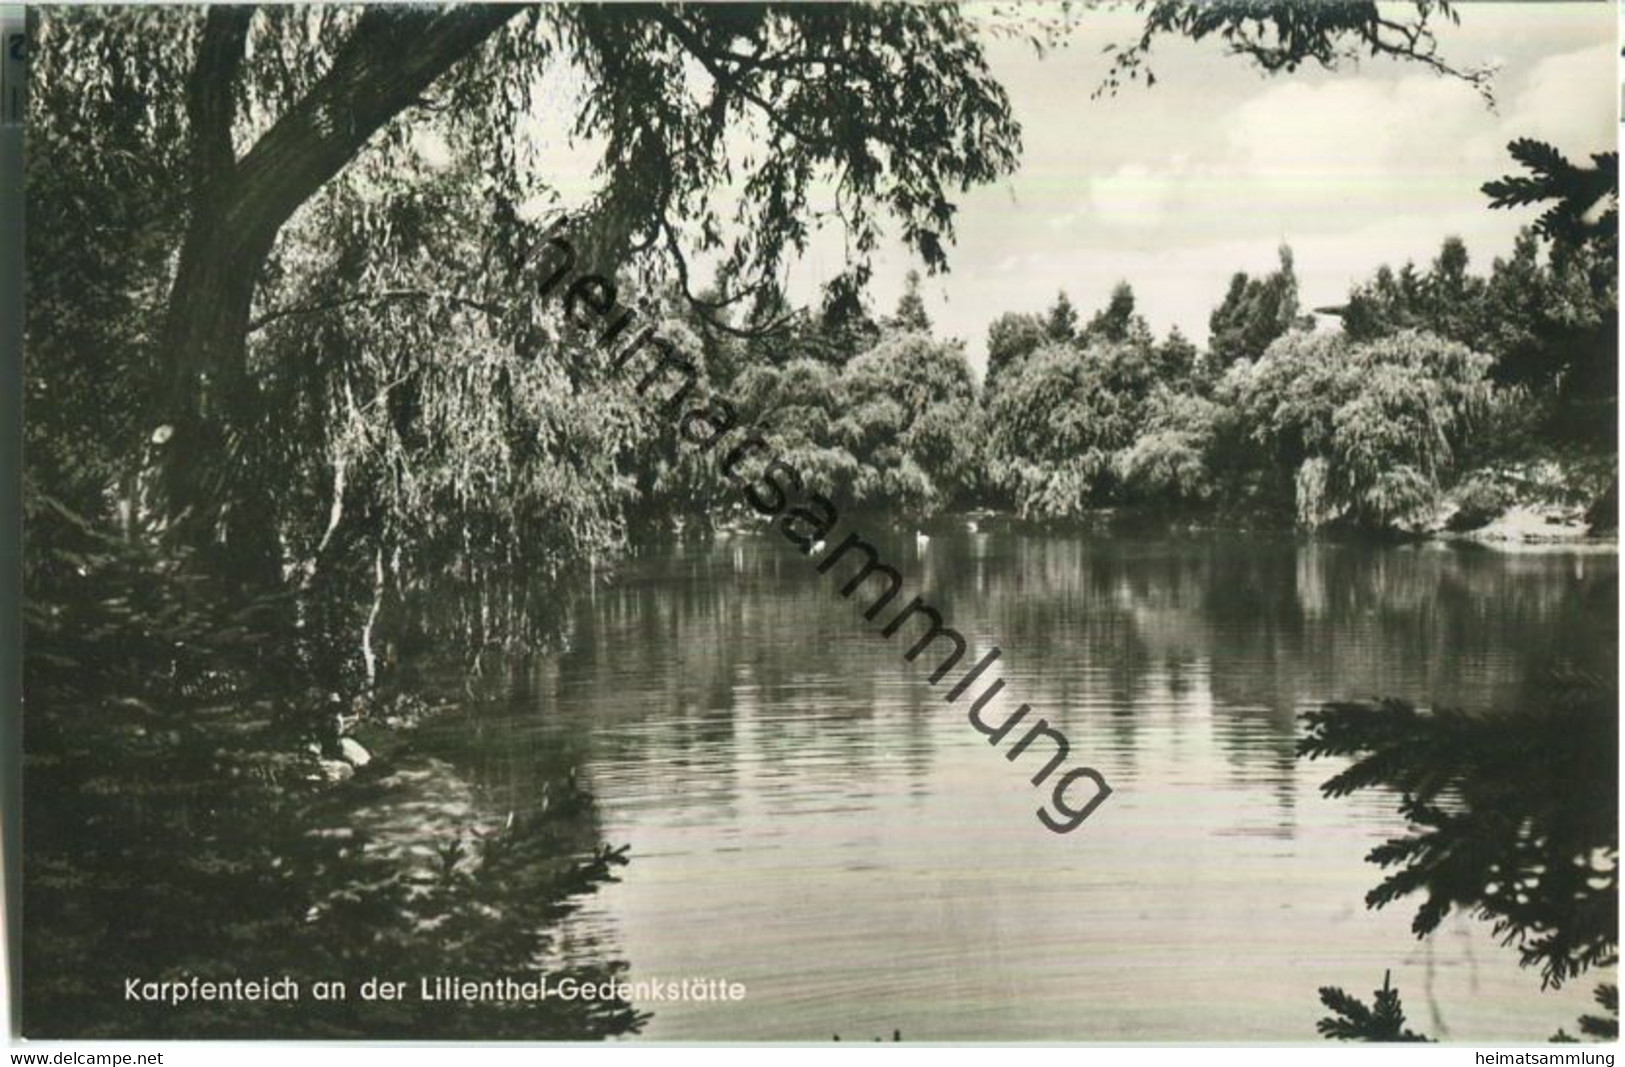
(1368, 432)
(1061, 323)
(1254, 313)
(911, 313)
(1011, 338)
(1117, 321)
(1282, 35)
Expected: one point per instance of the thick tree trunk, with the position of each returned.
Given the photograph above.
(212, 408)
(210, 403)
(204, 347)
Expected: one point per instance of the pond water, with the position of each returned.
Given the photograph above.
(806, 816)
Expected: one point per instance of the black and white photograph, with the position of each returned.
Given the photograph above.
(902, 522)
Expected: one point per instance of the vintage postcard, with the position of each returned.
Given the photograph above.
(891, 521)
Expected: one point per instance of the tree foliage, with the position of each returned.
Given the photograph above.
(1547, 314)
(1542, 313)
(1353, 1020)
(1584, 201)
(1061, 322)
(1255, 312)
(1368, 433)
(1060, 425)
(911, 314)
(1512, 818)
(242, 89)
(1281, 35)
(1117, 322)
(1011, 338)
(177, 817)
(897, 429)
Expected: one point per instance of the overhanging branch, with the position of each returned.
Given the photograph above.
(384, 296)
(390, 58)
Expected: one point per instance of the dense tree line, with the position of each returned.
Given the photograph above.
(1442, 395)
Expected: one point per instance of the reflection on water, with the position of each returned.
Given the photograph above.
(807, 817)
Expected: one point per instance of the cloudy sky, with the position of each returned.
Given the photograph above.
(1177, 187)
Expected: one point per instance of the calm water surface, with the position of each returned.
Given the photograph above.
(806, 816)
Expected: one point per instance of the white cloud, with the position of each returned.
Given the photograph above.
(1557, 102)
(1135, 194)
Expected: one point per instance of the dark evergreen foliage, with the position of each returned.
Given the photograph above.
(1601, 1027)
(1254, 313)
(1061, 323)
(1352, 1020)
(911, 313)
(1585, 200)
(1512, 818)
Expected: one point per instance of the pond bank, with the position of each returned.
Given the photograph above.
(1520, 525)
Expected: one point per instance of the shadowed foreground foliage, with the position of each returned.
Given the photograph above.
(1511, 817)
(1352, 1020)
(177, 825)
